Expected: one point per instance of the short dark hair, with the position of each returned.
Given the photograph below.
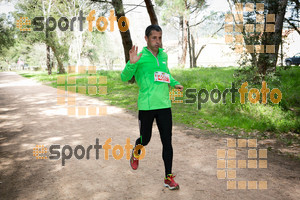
(151, 28)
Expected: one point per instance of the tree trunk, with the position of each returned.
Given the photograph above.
(180, 38)
(184, 36)
(281, 53)
(126, 38)
(190, 47)
(278, 27)
(184, 42)
(60, 66)
(49, 68)
(267, 61)
(151, 12)
(193, 52)
(191, 43)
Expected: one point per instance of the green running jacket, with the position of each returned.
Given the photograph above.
(153, 92)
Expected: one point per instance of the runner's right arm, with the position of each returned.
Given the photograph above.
(128, 71)
(131, 65)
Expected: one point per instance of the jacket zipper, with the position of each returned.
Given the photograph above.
(154, 56)
(158, 66)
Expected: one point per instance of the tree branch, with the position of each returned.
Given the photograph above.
(101, 1)
(193, 10)
(294, 20)
(203, 20)
(203, 46)
(134, 7)
(293, 25)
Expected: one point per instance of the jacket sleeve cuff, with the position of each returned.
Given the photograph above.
(173, 83)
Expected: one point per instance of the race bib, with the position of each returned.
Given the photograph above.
(162, 77)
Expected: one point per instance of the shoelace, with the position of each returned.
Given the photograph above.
(171, 177)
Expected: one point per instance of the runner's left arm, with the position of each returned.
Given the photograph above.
(173, 82)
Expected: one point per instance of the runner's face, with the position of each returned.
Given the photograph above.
(154, 40)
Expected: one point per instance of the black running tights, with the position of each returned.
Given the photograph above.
(164, 123)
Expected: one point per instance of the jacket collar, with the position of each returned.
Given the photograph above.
(160, 50)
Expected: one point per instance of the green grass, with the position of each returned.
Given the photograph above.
(219, 118)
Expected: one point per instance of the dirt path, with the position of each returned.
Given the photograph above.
(30, 117)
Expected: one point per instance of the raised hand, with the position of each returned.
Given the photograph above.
(133, 54)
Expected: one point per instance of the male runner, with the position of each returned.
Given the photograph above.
(152, 75)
